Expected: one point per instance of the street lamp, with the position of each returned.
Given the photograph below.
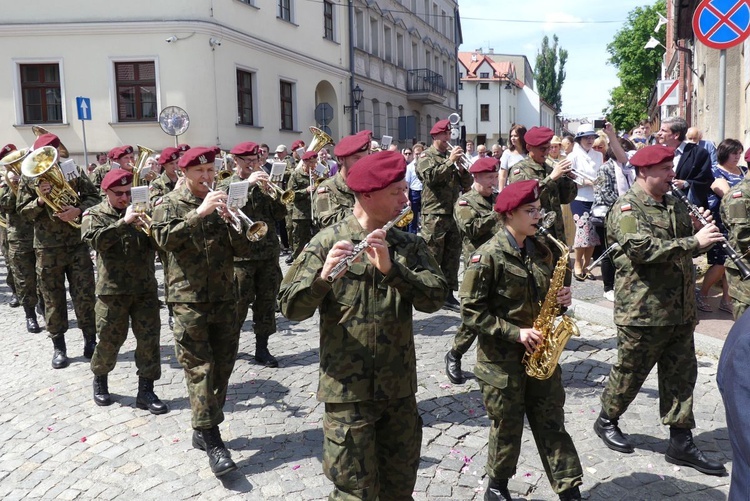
(356, 99)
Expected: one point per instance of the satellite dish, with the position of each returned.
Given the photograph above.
(174, 121)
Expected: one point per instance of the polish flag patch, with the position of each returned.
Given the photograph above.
(476, 258)
(322, 190)
(737, 194)
(626, 207)
(463, 203)
(517, 171)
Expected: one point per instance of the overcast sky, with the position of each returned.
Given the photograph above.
(589, 77)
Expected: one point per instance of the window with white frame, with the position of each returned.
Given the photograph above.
(328, 33)
(41, 94)
(285, 10)
(248, 2)
(135, 87)
(388, 56)
(245, 97)
(286, 92)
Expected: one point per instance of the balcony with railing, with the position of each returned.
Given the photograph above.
(425, 86)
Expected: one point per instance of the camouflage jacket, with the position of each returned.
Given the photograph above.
(553, 192)
(160, 187)
(302, 208)
(49, 231)
(654, 275)
(501, 294)
(477, 221)
(200, 251)
(124, 254)
(20, 229)
(333, 201)
(98, 174)
(442, 182)
(366, 336)
(735, 214)
(261, 207)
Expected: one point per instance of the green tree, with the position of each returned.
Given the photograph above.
(638, 68)
(549, 72)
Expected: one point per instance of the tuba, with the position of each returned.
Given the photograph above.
(42, 165)
(12, 162)
(542, 363)
(38, 130)
(319, 141)
(140, 163)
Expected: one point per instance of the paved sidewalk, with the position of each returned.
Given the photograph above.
(55, 443)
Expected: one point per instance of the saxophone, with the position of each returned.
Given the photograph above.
(542, 363)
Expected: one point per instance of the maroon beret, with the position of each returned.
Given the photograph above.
(298, 144)
(537, 136)
(747, 156)
(169, 155)
(198, 156)
(48, 139)
(244, 149)
(366, 132)
(485, 164)
(351, 145)
(376, 171)
(440, 126)
(183, 147)
(652, 155)
(7, 149)
(120, 151)
(517, 194)
(310, 154)
(116, 177)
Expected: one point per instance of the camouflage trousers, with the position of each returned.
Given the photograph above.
(444, 241)
(22, 262)
(258, 284)
(113, 314)
(541, 401)
(463, 340)
(302, 232)
(739, 291)
(206, 343)
(371, 449)
(53, 266)
(672, 349)
(4, 247)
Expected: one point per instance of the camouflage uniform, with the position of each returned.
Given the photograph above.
(368, 378)
(655, 310)
(333, 201)
(60, 254)
(735, 214)
(302, 229)
(442, 184)
(98, 174)
(477, 222)
(157, 189)
(501, 293)
(5, 247)
(21, 257)
(125, 289)
(200, 253)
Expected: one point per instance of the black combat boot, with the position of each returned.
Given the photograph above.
(31, 324)
(170, 321)
(451, 303)
(683, 451)
(572, 494)
(89, 345)
(40, 305)
(147, 399)
(453, 367)
(14, 302)
(198, 442)
(262, 355)
(610, 433)
(60, 356)
(497, 490)
(101, 391)
(218, 456)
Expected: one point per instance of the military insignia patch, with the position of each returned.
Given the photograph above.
(463, 203)
(625, 207)
(322, 189)
(158, 202)
(85, 213)
(476, 258)
(737, 194)
(517, 171)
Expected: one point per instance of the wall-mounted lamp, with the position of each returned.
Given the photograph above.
(214, 42)
(171, 39)
(356, 99)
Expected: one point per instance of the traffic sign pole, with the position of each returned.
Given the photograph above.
(85, 149)
(722, 92)
(83, 105)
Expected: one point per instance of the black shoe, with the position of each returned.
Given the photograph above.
(14, 302)
(89, 345)
(171, 322)
(611, 434)
(264, 357)
(219, 458)
(451, 303)
(147, 399)
(40, 307)
(572, 494)
(31, 324)
(289, 259)
(497, 490)
(453, 367)
(101, 391)
(198, 442)
(60, 357)
(683, 451)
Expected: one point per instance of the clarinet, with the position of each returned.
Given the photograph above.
(360, 247)
(724, 244)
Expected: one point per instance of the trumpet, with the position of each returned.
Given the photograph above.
(465, 161)
(140, 209)
(256, 230)
(274, 191)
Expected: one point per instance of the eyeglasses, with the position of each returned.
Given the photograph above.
(407, 153)
(120, 193)
(534, 212)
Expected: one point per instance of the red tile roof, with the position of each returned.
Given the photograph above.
(471, 61)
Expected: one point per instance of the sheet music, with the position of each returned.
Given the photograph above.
(277, 171)
(320, 169)
(237, 196)
(70, 170)
(140, 198)
(385, 142)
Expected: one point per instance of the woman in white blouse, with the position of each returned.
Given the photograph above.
(512, 155)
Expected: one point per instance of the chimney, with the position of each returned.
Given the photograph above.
(474, 57)
(491, 50)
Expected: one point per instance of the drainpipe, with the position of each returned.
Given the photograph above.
(353, 124)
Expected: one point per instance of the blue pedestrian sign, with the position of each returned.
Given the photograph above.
(83, 105)
(721, 24)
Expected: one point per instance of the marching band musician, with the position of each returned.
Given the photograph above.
(258, 276)
(444, 177)
(126, 290)
(286, 183)
(735, 208)
(477, 222)
(302, 227)
(368, 379)
(60, 254)
(21, 257)
(655, 308)
(101, 170)
(503, 286)
(200, 245)
(333, 199)
(122, 155)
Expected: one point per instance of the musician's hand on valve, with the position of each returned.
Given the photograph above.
(213, 201)
(564, 297)
(340, 251)
(130, 215)
(562, 168)
(44, 188)
(530, 338)
(257, 177)
(708, 235)
(377, 251)
(456, 155)
(68, 213)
